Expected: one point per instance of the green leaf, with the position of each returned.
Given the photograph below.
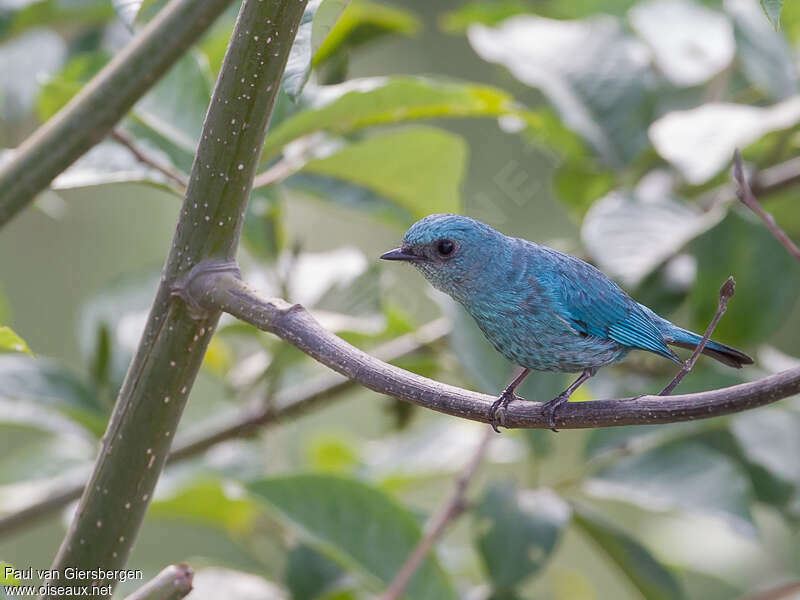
(651, 578)
(358, 526)
(7, 574)
(486, 13)
(648, 227)
(61, 87)
(764, 55)
(592, 72)
(133, 12)
(772, 8)
(517, 531)
(263, 232)
(311, 575)
(47, 384)
(680, 476)
(363, 22)
(767, 280)
(770, 438)
(18, 17)
(318, 19)
(11, 342)
(362, 103)
(420, 168)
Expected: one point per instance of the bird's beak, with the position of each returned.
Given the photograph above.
(399, 254)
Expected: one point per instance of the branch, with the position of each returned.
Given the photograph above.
(91, 114)
(747, 197)
(450, 510)
(173, 583)
(288, 403)
(135, 446)
(224, 291)
(725, 293)
(119, 136)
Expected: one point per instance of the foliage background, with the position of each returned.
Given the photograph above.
(600, 153)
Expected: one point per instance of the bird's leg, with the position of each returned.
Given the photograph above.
(506, 397)
(549, 408)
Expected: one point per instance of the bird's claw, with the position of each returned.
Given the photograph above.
(549, 409)
(497, 412)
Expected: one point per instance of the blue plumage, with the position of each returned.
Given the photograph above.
(542, 309)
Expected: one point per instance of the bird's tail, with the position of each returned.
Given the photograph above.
(675, 336)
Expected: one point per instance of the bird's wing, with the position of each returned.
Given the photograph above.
(596, 306)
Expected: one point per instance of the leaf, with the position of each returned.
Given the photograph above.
(11, 342)
(311, 575)
(646, 229)
(43, 382)
(772, 8)
(767, 280)
(363, 22)
(690, 42)
(318, 19)
(359, 103)
(679, 476)
(420, 168)
(358, 526)
(20, 16)
(459, 20)
(770, 438)
(651, 578)
(133, 12)
(517, 531)
(765, 57)
(62, 86)
(594, 74)
(700, 142)
(8, 574)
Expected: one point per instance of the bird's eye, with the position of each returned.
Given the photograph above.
(445, 247)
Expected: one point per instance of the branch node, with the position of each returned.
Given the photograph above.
(199, 281)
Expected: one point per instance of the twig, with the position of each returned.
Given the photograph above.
(725, 294)
(119, 136)
(288, 403)
(275, 174)
(295, 325)
(448, 512)
(172, 583)
(747, 197)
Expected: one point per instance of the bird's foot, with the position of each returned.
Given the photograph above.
(549, 409)
(497, 413)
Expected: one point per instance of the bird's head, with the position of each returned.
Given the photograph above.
(451, 251)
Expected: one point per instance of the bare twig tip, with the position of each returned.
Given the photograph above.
(728, 289)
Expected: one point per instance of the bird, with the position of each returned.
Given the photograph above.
(541, 309)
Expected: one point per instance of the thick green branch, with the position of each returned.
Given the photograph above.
(136, 444)
(89, 117)
(226, 292)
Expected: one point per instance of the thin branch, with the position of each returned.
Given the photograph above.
(119, 136)
(172, 583)
(275, 174)
(448, 512)
(224, 291)
(288, 403)
(725, 294)
(745, 194)
(92, 113)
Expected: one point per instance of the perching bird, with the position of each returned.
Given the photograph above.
(542, 309)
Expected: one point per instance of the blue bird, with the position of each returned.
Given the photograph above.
(542, 309)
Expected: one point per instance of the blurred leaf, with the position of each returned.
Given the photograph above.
(363, 22)
(208, 501)
(419, 168)
(596, 76)
(571, 584)
(11, 342)
(133, 12)
(219, 357)
(700, 142)
(772, 8)
(766, 58)
(679, 476)
(318, 19)
(19, 16)
(486, 13)
(177, 104)
(237, 585)
(62, 86)
(311, 575)
(646, 231)
(43, 382)
(26, 61)
(359, 526)
(579, 183)
(360, 103)
(690, 42)
(767, 278)
(517, 531)
(770, 437)
(263, 233)
(652, 579)
(333, 454)
(709, 587)
(7, 576)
